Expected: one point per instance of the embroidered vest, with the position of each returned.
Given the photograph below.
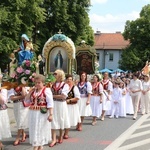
(71, 93)
(57, 91)
(40, 100)
(83, 89)
(105, 85)
(95, 90)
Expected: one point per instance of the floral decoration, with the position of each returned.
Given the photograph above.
(25, 73)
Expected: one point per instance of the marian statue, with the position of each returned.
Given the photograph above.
(25, 51)
(58, 60)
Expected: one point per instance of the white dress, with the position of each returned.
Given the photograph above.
(20, 113)
(39, 126)
(122, 104)
(129, 104)
(96, 106)
(85, 110)
(107, 101)
(4, 119)
(73, 109)
(61, 117)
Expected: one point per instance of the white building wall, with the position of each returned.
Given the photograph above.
(104, 56)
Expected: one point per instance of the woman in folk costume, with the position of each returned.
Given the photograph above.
(96, 98)
(122, 112)
(129, 104)
(145, 96)
(61, 118)
(73, 107)
(4, 119)
(108, 88)
(85, 89)
(135, 92)
(17, 95)
(40, 113)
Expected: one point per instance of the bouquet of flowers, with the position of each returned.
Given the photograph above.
(24, 74)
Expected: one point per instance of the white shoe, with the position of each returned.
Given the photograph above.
(134, 118)
(117, 117)
(111, 117)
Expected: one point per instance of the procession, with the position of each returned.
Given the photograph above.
(49, 107)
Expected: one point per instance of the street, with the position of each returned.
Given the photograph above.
(110, 134)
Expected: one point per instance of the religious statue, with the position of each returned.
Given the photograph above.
(25, 51)
(58, 60)
(40, 65)
(146, 69)
(12, 64)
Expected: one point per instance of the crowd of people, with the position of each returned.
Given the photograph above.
(67, 102)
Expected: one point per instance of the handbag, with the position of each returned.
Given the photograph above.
(3, 106)
(43, 110)
(26, 103)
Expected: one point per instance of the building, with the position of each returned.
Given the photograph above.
(109, 48)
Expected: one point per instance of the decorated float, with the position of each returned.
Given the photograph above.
(59, 53)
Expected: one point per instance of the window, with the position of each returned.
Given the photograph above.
(97, 56)
(111, 57)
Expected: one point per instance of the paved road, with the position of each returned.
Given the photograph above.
(111, 134)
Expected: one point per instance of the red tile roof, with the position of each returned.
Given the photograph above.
(110, 41)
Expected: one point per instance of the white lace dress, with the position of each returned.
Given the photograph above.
(85, 110)
(39, 126)
(61, 117)
(20, 113)
(96, 106)
(4, 119)
(129, 104)
(73, 110)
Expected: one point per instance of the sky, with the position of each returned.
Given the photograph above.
(110, 16)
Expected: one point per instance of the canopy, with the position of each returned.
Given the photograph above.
(118, 70)
(105, 70)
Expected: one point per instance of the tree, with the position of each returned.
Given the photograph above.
(69, 16)
(46, 17)
(16, 18)
(138, 33)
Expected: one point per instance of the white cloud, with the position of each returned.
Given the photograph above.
(98, 1)
(110, 23)
(147, 1)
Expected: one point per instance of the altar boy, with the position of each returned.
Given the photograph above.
(116, 97)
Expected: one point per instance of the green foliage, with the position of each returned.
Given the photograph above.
(41, 19)
(138, 33)
(69, 16)
(129, 60)
(50, 78)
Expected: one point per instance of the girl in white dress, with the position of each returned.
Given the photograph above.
(85, 89)
(73, 107)
(145, 96)
(96, 98)
(61, 118)
(20, 112)
(122, 104)
(40, 113)
(4, 119)
(129, 105)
